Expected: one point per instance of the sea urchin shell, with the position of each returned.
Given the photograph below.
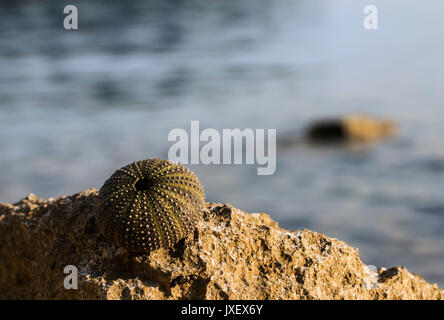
(149, 204)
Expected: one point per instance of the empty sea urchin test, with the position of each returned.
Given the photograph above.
(149, 204)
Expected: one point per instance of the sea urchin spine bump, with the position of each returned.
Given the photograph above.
(148, 205)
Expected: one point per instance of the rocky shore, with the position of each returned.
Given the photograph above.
(231, 255)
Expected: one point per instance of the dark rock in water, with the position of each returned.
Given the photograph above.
(354, 128)
(327, 131)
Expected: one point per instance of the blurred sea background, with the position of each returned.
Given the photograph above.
(77, 105)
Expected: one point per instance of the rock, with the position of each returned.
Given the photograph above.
(231, 255)
(353, 128)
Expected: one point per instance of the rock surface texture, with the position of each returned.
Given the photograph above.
(231, 255)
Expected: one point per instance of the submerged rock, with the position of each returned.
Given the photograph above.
(354, 128)
(231, 255)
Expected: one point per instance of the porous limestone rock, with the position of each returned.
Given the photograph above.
(231, 255)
